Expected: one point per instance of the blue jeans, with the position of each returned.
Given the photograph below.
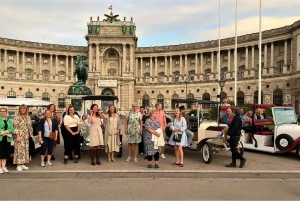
(189, 135)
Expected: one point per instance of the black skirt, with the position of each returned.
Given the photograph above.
(4, 148)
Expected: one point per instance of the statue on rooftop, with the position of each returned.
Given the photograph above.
(90, 29)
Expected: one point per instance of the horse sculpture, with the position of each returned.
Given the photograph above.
(81, 69)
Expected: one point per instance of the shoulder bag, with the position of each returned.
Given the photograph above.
(52, 134)
(177, 135)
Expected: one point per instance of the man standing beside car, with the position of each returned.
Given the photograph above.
(233, 138)
(189, 134)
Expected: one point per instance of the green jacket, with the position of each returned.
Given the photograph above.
(10, 128)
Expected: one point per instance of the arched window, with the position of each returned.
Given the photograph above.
(240, 98)
(255, 101)
(146, 100)
(190, 96)
(61, 100)
(278, 97)
(29, 94)
(174, 97)
(46, 97)
(11, 94)
(161, 100)
(206, 96)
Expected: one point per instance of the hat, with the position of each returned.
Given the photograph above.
(182, 107)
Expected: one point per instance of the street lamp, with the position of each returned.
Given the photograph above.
(221, 84)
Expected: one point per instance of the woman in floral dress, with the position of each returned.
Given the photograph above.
(23, 130)
(133, 130)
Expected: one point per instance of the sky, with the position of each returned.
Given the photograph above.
(158, 22)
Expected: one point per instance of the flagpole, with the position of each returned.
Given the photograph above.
(219, 53)
(259, 57)
(235, 56)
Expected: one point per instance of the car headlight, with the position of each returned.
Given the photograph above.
(221, 135)
(242, 132)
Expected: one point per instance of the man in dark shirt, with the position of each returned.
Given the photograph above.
(193, 112)
(233, 137)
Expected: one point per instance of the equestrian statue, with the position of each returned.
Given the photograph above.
(81, 69)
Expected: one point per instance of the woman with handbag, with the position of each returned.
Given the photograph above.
(112, 132)
(178, 138)
(48, 131)
(72, 137)
(96, 135)
(6, 128)
(54, 115)
(23, 130)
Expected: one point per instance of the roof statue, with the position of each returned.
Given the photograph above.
(111, 18)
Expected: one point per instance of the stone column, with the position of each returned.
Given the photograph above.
(185, 65)
(18, 61)
(5, 59)
(72, 65)
(155, 67)
(212, 62)
(272, 55)
(180, 64)
(151, 67)
(97, 57)
(40, 66)
(131, 58)
(266, 56)
(90, 56)
(136, 67)
(124, 58)
(228, 60)
(142, 67)
(166, 65)
(196, 63)
(252, 59)
(201, 63)
(67, 65)
(171, 66)
(23, 62)
(285, 53)
(51, 65)
(56, 64)
(34, 62)
(246, 58)
(1, 69)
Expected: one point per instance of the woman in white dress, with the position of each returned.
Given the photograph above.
(178, 128)
(96, 136)
(112, 132)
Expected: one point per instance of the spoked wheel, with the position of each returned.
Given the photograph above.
(207, 153)
(298, 152)
(240, 148)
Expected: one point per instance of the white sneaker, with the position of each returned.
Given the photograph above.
(48, 163)
(5, 170)
(24, 167)
(19, 168)
(1, 171)
(162, 156)
(42, 164)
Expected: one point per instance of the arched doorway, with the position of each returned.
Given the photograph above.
(278, 97)
(297, 103)
(108, 92)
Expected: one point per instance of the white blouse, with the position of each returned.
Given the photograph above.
(70, 121)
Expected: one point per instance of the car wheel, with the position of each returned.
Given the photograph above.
(207, 153)
(298, 151)
(240, 148)
(284, 141)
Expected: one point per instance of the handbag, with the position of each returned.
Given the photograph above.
(52, 135)
(177, 135)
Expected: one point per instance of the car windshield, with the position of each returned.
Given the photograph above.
(284, 116)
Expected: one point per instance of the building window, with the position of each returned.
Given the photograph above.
(192, 61)
(147, 64)
(241, 71)
(11, 74)
(45, 75)
(243, 56)
(162, 63)
(280, 66)
(147, 79)
(174, 97)
(281, 50)
(29, 94)
(161, 100)
(61, 62)
(45, 61)
(207, 74)
(146, 100)
(208, 60)
(46, 97)
(161, 78)
(28, 59)
(177, 62)
(224, 72)
(10, 58)
(62, 77)
(61, 100)
(278, 97)
(255, 99)
(240, 98)
(176, 78)
(225, 58)
(11, 94)
(28, 75)
(206, 96)
(111, 54)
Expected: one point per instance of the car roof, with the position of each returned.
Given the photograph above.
(194, 101)
(262, 106)
(100, 97)
(29, 102)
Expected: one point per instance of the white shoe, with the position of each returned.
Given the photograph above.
(48, 163)
(5, 170)
(42, 164)
(24, 167)
(162, 156)
(1, 171)
(19, 168)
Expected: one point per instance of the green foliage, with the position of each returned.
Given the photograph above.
(213, 112)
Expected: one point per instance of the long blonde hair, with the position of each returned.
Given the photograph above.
(23, 106)
(180, 114)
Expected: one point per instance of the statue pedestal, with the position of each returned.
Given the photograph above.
(76, 91)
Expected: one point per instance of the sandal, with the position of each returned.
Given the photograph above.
(175, 164)
(180, 165)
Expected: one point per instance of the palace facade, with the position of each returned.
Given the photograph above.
(147, 75)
